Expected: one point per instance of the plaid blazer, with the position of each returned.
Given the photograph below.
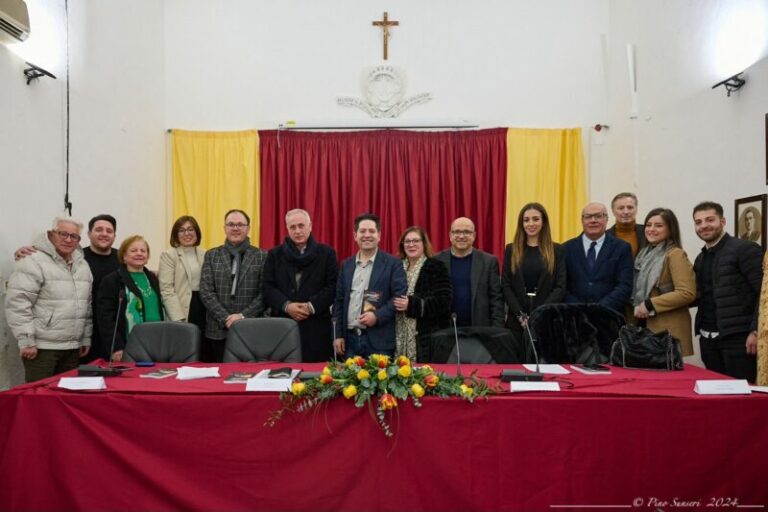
(216, 284)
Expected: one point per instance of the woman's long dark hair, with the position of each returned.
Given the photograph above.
(546, 247)
(669, 218)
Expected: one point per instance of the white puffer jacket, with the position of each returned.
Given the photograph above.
(48, 303)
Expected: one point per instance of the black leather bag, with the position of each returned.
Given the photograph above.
(637, 347)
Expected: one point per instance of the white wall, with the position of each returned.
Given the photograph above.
(240, 64)
(689, 143)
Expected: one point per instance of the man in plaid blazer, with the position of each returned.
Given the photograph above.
(230, 284)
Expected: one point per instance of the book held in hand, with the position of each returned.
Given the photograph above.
(161, 373)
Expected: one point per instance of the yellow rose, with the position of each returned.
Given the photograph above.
(350, 361)
(298, 388)
(387, 401)
(363, 374)
(350, 391)
(417, 390)
(404, 371)
(382, 375)
(466, 390)
(428, 369)
(326, 371)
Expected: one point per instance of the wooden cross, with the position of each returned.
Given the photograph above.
(385, 24)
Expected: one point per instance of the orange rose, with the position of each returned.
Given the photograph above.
(403, 361)
(360, 361)
(431, 380)
(387, 401)
(326, 379)
(382, 363)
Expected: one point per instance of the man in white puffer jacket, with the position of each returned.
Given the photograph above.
(48, 302)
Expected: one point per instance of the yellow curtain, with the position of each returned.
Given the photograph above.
(546, 166)
(214, 172)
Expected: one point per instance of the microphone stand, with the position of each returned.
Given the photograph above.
(522, 375)
(86, 370)
(458, 350)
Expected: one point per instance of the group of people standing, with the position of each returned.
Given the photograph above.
(62, 300)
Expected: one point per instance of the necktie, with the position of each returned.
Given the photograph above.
(591, 256)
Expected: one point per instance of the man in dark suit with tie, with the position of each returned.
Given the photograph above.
(477, 296)
(368, 282)
(230, 284)
(300, 283)
(599, 265)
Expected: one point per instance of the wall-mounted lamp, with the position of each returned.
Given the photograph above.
(731, 84)
(34, 72)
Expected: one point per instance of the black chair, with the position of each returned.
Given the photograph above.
(163, 342)
(477, 345)
(574, 333)
(263, 339)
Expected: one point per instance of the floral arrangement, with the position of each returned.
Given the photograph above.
(380, 381)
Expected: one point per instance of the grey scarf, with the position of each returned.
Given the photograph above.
(648, 266)
(236, 251)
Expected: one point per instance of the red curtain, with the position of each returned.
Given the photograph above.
(405, 177)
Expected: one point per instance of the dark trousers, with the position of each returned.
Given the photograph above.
(212, 351)
(358, 344)
(49, 363)
(728, 355)
(197, 312)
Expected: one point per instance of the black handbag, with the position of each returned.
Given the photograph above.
(637, 347)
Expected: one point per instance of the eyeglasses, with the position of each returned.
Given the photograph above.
(412, 241)
(462, 232)
(594, 216)
(232, 225)
(184, 231)
(68, 236)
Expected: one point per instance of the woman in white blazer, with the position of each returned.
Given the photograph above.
(179, 273)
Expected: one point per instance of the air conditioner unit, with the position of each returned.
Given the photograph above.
(14, 21)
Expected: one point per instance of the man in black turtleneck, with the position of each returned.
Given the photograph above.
(300, 283)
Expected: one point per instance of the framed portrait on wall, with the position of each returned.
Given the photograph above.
(750, 219)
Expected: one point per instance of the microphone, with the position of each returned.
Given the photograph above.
(522, 375)
(86, 370)
(333, 341)
(458, 352)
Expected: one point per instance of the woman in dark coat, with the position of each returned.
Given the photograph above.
(130, 295)
(534, 268)
(427, 307)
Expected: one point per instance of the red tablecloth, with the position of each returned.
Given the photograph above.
(633, 439)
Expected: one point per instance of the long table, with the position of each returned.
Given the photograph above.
(632, 440)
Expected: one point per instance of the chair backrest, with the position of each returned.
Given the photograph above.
(574, 333)
(477, 345)
(263, 339)
(163, 342)
(472, 351)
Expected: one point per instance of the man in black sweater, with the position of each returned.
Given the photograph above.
(728, 278)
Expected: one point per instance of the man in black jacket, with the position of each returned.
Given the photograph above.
(300, 283)
(728, 278)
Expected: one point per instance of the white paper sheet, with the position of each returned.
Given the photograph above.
(262, 382)
(82, 383)
(722, 387)
(534, 386)
(552, 369)
(191, 372)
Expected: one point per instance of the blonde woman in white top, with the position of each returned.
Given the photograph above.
(179, 273)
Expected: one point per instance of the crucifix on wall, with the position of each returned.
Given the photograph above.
(385, 24)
